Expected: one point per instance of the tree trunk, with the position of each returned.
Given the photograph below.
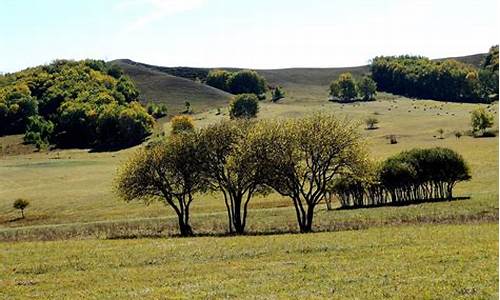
(184, 226)
(22, 213)
(307, 226)
(237, 220)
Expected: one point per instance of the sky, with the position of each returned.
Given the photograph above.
(242, 33)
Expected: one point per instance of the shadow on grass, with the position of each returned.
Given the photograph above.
(405, 203)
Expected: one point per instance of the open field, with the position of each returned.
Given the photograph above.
(74, 187)
(421, 262)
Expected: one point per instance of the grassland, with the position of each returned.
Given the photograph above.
(71, 190)
(410, 262)
(430, 250)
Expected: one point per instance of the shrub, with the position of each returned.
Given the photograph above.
(21, 205)
(371, 123)
(187, 109)
(38, 132)
(440, 131)
(277, 94)
(244, 106)
(181, 124)
(157, 111)
(481, 120)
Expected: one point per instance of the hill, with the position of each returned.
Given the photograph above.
(161, 87)
(175, 85)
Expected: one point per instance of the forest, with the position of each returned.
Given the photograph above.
(85, 103)
(449, 80)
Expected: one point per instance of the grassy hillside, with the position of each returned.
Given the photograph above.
(301, 84)
(160, 87)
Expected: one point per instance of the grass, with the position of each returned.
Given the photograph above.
(160, 87)
(75, 186)
(429, 250)
(424, 262)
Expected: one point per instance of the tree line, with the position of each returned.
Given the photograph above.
(85, 103)
(408, 177)
(420, 77)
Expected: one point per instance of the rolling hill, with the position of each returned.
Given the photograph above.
(175, 85)
(160, 87)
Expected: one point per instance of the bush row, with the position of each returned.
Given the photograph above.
(411, 176)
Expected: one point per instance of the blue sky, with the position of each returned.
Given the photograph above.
(237, 33)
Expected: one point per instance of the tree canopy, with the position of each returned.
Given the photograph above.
(89, 103)
(168, 171)
(420, 77)
(240, 82)
(346, 88)
(244, 106)
(299, 158)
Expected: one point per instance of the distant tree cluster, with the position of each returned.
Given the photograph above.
(411, 176)
(241, 82)
(420, 77)
(156, 110)
(346, 89)
(73, 103)
(241, 158)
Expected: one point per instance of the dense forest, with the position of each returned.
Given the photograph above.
(420, 77)
(85, 103)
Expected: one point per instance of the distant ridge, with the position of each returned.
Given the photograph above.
(175, 85)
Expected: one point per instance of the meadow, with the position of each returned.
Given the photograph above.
(79, 239)
(410, 262)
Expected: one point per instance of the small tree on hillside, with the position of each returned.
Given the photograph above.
(244, 106)
(344, 88)
(181, 124)
(187, 105)
(168, 171)
(367, 88)
(481, 120)
(371, 123)
(21, 205)
(300, 157)
(277, 94)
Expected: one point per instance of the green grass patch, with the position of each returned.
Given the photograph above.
(426, 262)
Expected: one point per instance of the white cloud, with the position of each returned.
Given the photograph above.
(157, 10)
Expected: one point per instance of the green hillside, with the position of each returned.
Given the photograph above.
(175, 85)
(160, 87)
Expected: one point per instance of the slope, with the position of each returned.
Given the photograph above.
(160, 87)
